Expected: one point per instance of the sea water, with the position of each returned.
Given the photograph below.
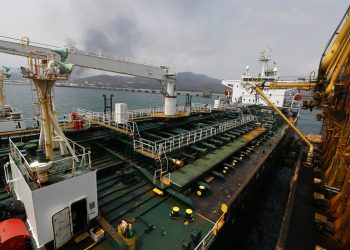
(66, 98)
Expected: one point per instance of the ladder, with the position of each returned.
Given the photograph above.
(35, 101)
(162, 175)
(132, 126)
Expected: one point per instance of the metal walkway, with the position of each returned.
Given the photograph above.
(154, 149)
(191, 172)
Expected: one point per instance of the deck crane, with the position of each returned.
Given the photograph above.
(48, 64)
(23, 47)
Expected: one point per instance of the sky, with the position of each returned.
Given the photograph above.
(215, 38)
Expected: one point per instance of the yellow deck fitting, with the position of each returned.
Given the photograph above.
(189, 215)
(158, 191)
(175, 213)
(189, 211)
(166, 181)
(201, 190)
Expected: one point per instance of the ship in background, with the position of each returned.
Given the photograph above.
(240, 92)
(11, 119)
(171, 177)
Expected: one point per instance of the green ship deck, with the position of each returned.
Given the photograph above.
(125, 179)
(191, 172)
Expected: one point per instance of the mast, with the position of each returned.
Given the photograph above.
(264, 60)
(44, 73)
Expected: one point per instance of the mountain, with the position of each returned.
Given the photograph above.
(185, 81)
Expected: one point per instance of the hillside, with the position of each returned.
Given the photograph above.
(186, 81)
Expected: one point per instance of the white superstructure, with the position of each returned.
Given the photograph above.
(63, 206)
(239, 91)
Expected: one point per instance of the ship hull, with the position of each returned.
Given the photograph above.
(242, 206)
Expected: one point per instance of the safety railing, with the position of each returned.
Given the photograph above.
(176, 142)
(140, 114)
(201, 108)
(209, 238)
(18, 158)
(228, 106)
(162, 173)
(59, 165)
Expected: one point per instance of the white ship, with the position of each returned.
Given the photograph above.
(239, 93)
(10, 117)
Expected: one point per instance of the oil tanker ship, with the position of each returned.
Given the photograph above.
(172, 177)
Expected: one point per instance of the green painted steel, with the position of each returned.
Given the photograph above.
(185, 176)
(168, 233)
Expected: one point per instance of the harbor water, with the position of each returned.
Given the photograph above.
(22, 97)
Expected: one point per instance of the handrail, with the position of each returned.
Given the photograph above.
(139, 114)
(185, 139)
(14, 151)
(59, 165)
(205, 243)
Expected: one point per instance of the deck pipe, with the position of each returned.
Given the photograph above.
(208, 145)
(198, 149)
(232, 133)
(223, 138)
(215, 141)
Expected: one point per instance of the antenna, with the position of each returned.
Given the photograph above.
(264, 60)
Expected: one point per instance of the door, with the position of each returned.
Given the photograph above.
(79, 215)
(61, 227)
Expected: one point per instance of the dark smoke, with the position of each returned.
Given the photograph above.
(118, 39)
(77, 72)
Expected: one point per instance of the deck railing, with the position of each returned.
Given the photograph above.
(176, 142)
(60, 165)
(140, 114)
(210, 236)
